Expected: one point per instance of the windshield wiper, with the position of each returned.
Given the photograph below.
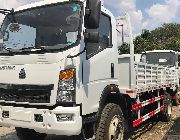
(27, 48)
(23, 50)
(6, 49)
(32, 49)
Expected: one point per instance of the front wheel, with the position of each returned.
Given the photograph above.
(28, 134)
(111, 125)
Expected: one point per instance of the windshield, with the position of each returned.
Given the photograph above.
(161, 58)
(53, 27)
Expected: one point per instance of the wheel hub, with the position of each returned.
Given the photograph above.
(178, 96)
(115, 129)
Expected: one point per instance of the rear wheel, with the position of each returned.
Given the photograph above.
(178, 97)
(165, 115)
(111, 125)
(28, 134)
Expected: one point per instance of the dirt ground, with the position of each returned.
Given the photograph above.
(150, 131)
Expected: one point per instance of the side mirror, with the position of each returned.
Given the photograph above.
(93, 12)
(91, 37)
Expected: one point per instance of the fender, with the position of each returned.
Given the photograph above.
(111, 94)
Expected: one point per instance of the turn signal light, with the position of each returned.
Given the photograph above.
(67, 74)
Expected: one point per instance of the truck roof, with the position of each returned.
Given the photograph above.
(47, 2)
(40, 3)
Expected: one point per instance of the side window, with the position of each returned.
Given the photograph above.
(105, 31)
(105, 37)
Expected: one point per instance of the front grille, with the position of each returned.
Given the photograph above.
(26, 93)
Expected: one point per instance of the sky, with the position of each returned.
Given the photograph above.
(144, 14)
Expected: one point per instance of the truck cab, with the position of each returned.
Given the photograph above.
(56, 58)
(161, 57)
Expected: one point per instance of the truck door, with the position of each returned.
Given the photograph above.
(98, 68)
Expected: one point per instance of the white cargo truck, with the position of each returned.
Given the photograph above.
(169, 59)
(60, 73)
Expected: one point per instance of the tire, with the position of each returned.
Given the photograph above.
(165, 115)
(111, 124)
(177, 100)
(28, 134)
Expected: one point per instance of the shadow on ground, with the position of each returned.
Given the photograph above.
(141, 130)
(174, 131)
(13, 136)
(130, 136)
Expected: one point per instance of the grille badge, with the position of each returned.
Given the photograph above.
(22, 74)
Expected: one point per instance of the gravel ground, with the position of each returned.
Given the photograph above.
(149, 131)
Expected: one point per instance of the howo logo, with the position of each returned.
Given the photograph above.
(7, 67)
(22, 74)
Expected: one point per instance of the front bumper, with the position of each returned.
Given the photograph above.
(24, 118)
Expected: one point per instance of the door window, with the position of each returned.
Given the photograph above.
(105, 37)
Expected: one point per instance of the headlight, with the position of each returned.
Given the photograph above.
(66, 87)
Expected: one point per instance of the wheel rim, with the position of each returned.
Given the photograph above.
(116, 129)
(169, 109)
(178, 96)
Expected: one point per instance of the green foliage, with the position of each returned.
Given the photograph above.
(165, 37)
(124, 48)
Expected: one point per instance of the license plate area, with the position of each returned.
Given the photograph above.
(20, 115)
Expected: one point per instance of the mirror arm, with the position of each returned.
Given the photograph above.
(70, 56)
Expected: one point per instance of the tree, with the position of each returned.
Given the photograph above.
(124, 48)
(165, 37)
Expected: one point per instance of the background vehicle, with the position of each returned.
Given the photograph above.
(61, 74)
(169, 59)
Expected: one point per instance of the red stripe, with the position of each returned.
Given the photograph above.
(137, 122)
(162, 108)
(151, 100)
(129, 91)
(162, 97)
(151, 114)
(173, 97)
(136, 106)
